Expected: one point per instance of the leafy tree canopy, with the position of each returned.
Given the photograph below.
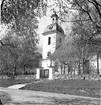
(13, 10)
(20, 16)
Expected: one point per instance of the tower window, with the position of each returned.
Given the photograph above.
(49, 40)
(49, 53)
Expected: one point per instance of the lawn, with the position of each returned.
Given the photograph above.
(9, 82)
(74, 87)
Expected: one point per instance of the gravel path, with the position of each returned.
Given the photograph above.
(18, 86)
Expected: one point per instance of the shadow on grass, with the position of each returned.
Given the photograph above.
(76, 101)
(5, 97)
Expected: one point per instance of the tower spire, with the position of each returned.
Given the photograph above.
(54, 17)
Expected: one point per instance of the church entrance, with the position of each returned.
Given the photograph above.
(44, 73)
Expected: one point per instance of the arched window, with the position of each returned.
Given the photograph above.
(49, 53)
(49, 40)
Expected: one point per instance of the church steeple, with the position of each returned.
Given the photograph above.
(54, 27)
(54, 17)
(52, 39)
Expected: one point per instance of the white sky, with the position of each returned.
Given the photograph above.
(3, 31)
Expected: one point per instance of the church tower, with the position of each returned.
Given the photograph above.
(52, 38)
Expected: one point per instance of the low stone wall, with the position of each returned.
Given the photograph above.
(25, 77)
(4, 77)
(18, 77)
(85, 77)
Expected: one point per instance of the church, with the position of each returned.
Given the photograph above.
(53, 36)
(54, 47)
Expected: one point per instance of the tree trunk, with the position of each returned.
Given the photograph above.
(24, 69)
(97, 64)
(1, 102)
(14, 72)
(61, 68)
(86, 67)
(75, 68)
(64, 69)
(79, 70)
(69, 68)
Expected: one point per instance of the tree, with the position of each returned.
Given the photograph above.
(9, 53)
(29, 58)
(19, 15)
(16, 54)
(92, 10)
(86, 28)
(13, 10)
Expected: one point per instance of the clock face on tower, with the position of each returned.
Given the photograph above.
(50, 27)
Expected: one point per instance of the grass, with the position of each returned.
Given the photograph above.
(5, 98)
(9, 82)
(75, 87)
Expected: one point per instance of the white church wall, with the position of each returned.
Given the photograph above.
(38, 73)
(46, 63)
(51, 47)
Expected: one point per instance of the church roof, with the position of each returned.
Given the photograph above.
(69, 52)
(66, 52)
(55, 15)
(53, 28)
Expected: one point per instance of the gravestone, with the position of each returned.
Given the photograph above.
(1, 102)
